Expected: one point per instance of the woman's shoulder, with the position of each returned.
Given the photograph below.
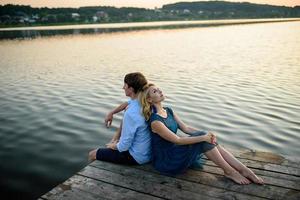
(169, 110)
(154, 117)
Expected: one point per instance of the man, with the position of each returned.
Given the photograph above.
(134, 145)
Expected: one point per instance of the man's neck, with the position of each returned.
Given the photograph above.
(133, 96)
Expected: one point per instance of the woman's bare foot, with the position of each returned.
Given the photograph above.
(248, 173)
(237, 177)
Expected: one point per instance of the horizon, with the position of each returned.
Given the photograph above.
(131, 3)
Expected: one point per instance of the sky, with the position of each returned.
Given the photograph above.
(128, 3)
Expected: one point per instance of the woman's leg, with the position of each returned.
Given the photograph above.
(235, 163)
(215, 156)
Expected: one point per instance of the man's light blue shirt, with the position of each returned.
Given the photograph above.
(135, 134)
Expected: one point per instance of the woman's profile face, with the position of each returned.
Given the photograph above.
(155, 94)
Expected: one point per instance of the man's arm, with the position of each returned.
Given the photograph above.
(128, 132)
(109, 116)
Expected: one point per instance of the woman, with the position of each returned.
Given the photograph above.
(134, 145)
(173, 154)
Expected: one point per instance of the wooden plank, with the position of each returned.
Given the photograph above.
(172, 182)
(263, 172)
(265, 191)
(266, 166)
(141, 184)
(69, 191)
(80, 187)
(267, 157)
(74, 194)
(103, 180)
(270, 180)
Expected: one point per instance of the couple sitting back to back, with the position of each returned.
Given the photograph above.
(148, 133)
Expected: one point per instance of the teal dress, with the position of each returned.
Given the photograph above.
(170, 158)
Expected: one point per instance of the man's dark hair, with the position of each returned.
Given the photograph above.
(135, 80)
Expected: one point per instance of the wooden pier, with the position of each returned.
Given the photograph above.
(103, 180)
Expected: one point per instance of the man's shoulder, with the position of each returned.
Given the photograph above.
(134, 106)
(134, 112)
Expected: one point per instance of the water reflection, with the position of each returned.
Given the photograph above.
(33, 32)
(239, 81)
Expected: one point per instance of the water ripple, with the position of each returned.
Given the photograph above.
(55, 93)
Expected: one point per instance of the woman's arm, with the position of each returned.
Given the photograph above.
(189, 130)
(182, 126)
(160, 129)
(109, 116)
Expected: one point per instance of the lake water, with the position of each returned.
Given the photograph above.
(241, 81)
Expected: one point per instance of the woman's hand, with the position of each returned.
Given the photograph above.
(211, 138)
(214, 139)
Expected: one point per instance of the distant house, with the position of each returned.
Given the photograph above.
(101, 14)
(94, 18)
(218, 12)
(31, 20)
(35, 17)
(21, 14)
(49, 18)
(157, 10)
(44, 19)
(175, 11)
(186, 11)
(5, 18)
(21, 19)
(75, 15)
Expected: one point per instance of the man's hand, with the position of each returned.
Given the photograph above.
(112, 145)
(108, 120)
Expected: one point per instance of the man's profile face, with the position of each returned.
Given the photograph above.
(127, 89)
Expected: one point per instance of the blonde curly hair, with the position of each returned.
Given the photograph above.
(146, 106)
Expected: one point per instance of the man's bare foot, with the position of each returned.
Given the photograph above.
(237, 177)
(248, 173)
(92, 155)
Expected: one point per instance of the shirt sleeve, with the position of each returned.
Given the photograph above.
(129, 128)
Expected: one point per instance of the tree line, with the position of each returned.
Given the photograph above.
(20, 15)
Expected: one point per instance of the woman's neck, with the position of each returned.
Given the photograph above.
(159, 108)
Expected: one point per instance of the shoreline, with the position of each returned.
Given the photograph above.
(35, 32)
(150, 24)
